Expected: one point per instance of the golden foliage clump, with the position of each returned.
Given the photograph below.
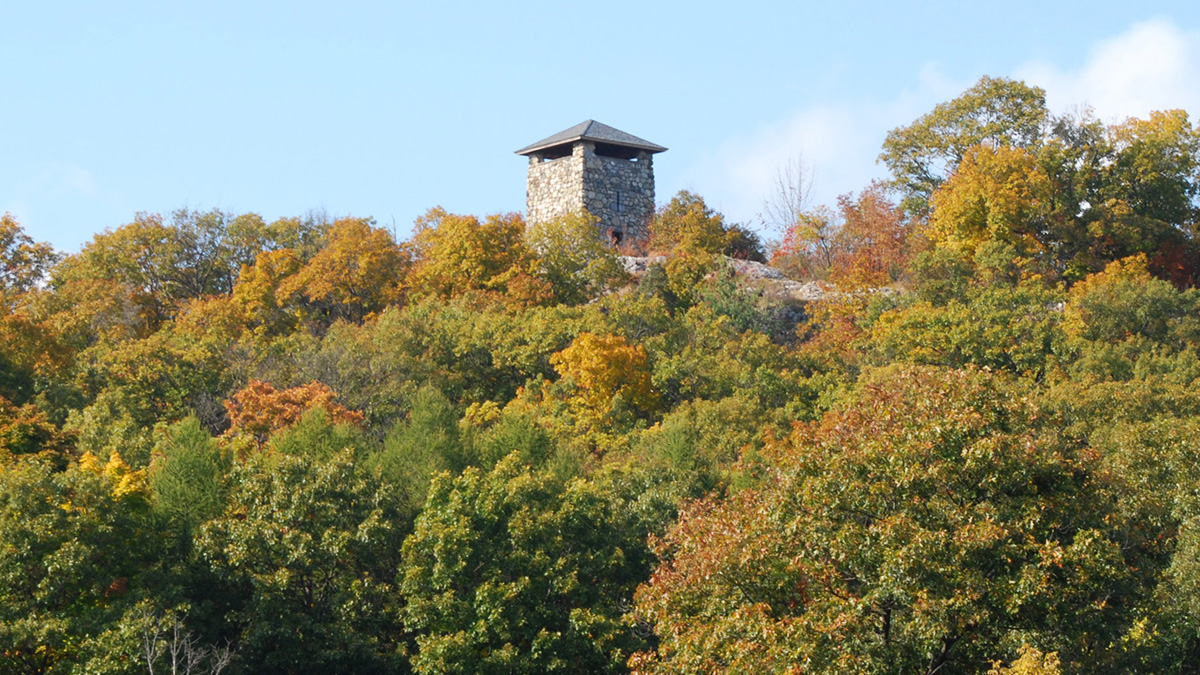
(258, 290)
(359, 267)
(996, 194)
(124, 480)
(1030, 662)
(604, 368)
(456, 255)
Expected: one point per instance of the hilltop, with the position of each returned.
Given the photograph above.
(947, 425)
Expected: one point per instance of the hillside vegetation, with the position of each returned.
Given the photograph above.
(235, 446)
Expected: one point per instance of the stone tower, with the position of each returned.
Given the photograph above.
(595, 168)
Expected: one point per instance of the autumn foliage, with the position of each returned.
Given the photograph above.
(606, 371)
(865, 243)
(259, 409)
(516, 452)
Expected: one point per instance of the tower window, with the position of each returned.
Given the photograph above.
(615, 151)
(556, 153)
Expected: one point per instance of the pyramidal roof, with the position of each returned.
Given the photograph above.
(591, 130)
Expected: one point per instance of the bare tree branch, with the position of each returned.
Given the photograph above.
(791, 195)
(165, 634)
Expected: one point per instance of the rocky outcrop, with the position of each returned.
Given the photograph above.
(749, 270)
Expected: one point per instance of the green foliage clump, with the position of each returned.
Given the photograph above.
(307, 550)
(509, 571)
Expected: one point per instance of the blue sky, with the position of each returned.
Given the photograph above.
(387, 109)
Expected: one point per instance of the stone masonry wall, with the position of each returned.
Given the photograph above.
(619, 192)
(554, 187)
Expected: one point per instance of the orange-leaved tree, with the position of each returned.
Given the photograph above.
(866, 242)
(259, 409)
(931, 522)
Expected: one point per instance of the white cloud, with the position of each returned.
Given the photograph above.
(838, 144)
(1152, 66)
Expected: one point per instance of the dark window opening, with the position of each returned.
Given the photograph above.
(614, 236)
(557, 152)
(616, 151)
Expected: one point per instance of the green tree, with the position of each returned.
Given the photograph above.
(694, 237)
(187, 475)
(426, 443)
(75, 546)
(307, 547)
(1157, 167)
(573, 259)
(1013, 327)
(162, 378)
(26, 431)
(997, 112)
(510, 572)
(1125, 301)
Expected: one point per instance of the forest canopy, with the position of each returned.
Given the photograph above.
(239, 446)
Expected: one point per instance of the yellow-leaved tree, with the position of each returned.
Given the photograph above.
(355, 275)
(257, 291)
(1031, 662)
(454, 255)
(606, 372)
(997, 193)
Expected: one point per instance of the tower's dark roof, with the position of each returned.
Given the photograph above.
(593, 131)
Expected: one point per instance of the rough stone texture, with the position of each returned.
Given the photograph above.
(619, 192)
(639, 265)
(749, 270)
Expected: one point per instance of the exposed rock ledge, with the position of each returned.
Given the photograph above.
(796, 290)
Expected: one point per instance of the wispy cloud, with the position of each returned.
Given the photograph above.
(46, 195)
(838, 143)
(1152, 66)
(59, 179)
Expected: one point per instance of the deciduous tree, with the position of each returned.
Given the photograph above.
(354, 276)
(996, 112)
(454, 255)
(24, 263)
(602, 369)
(259, 409)
(573, 260)
(510, 572)
(306, 550)
(925, 526)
